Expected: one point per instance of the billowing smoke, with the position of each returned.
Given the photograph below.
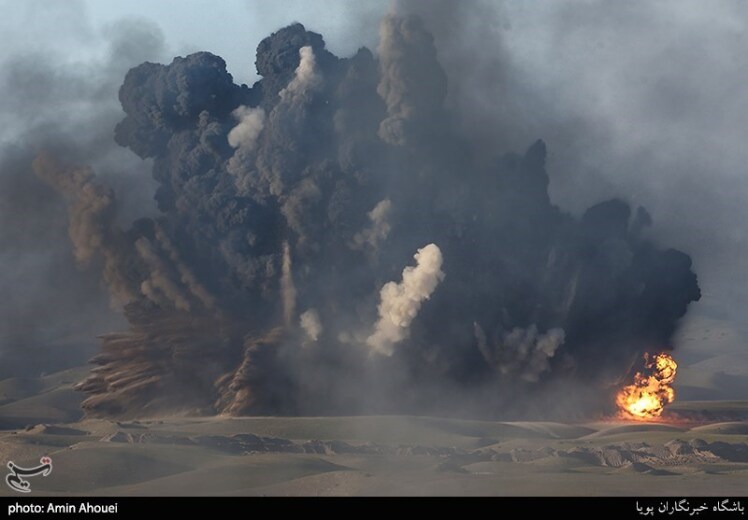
(91, 210)
(522, 352)
(400, 302)
(245, 134)
(91, 207)
(406, 57)
(311, 324)
(305, 81)
(286, 213)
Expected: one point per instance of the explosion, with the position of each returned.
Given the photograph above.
(647, 396)
(278, 274)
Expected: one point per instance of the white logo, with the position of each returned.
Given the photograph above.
(15, 480)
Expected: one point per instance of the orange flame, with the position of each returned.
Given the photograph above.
(647, 396)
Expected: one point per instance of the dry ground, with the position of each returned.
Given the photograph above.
(702, 453)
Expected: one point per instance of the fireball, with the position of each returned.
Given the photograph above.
(651, 390)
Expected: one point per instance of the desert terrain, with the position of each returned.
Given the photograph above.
(700, 449)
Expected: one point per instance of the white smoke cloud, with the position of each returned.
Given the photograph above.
(307, 78)
(380, 227)
(400, 302)
(245, 133)
(311, 324)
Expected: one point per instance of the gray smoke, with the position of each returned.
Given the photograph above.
(379, 228)
(90, 207)
(187, 277)
(92, 229)
(406, 57)
(525, 353)
(159, 287)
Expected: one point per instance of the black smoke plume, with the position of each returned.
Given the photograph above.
(328, 242)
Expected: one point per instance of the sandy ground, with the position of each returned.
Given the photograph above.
(702, 452)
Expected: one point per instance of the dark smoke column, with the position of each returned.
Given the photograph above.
(279, 277)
